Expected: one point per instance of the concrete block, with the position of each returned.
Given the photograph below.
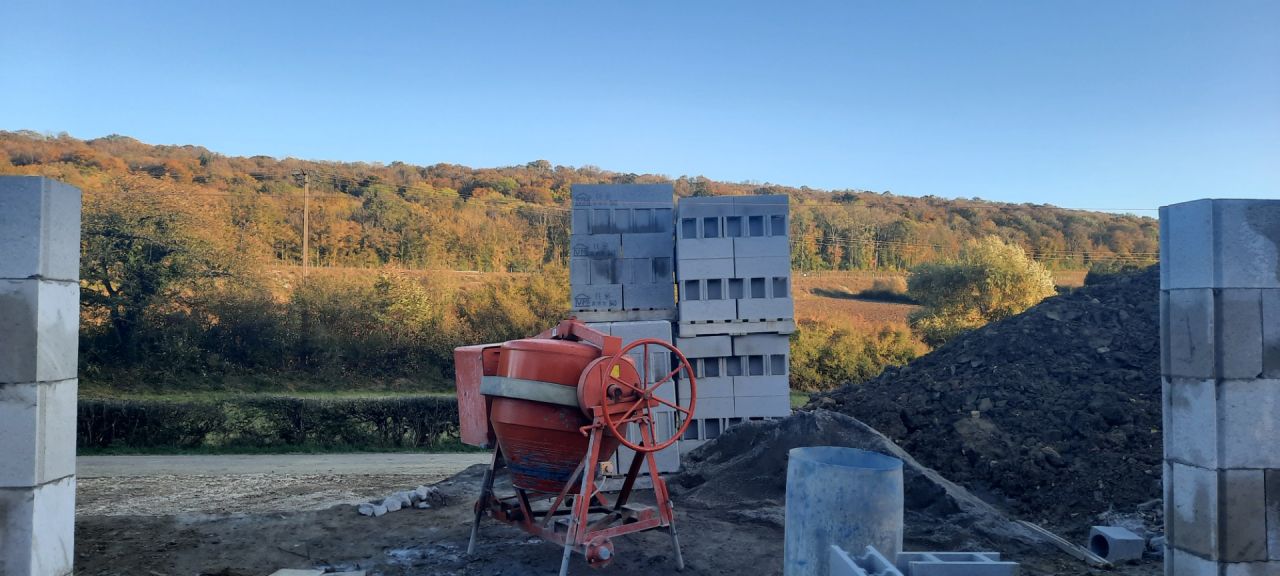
(955, 564)
(1246, 243)
(704, 268)
(39, 228)
(39, 330)
(623, 195)
(705, 248)
(649, 245)
(1186, 245)
(38, 425)
(632, 331)
(1271, 333)
(1116, 544)
(719, 387)
(607, 297)
(761, 344)
(37, 529)
(1191, 415)
(714, 408)
(751, 265)
(641, 221)
(581, 221)
(761, 386)
(1164, 333)
(687, 446)
(1272, 506)
(766, 308)
(1178, 562)
(746, 406)
(1195, 510)
(595, 246)
(1221, 244)
(1249, 423)
(1191, 333)
(1239, 332)
(659, 270)
(871, 563)
(707, 310)
(649, 296)
(1166, 485)
(594, 271)
(691, 329)
(668, 460)
(1251, 569)
(777, 246)
(625, 315)
(705, 206)
(705, 346)
(1242, 512)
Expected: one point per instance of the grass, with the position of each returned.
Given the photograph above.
(799, 399)
(211, 395)
(452, 445)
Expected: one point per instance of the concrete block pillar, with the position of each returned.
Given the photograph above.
(39, 323)
(1220, 359)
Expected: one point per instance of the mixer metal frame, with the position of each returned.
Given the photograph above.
(589, 522)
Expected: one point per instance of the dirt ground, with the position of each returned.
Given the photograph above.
(254, 524)
(235, 541)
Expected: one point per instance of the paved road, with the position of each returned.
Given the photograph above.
(437, 464)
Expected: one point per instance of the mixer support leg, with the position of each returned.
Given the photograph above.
(486, 492)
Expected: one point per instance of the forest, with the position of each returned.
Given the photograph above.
(191, 266)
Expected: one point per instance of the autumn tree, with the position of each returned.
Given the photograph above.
(990, 280)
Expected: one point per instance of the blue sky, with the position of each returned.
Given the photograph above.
(1095, 104)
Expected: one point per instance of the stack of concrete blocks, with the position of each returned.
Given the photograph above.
(1220, 335)
(733, 275)
(621, 270)
(872, 563)
(621, 252)
(39, 323)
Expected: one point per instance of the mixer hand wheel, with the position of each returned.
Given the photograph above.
(640, 410)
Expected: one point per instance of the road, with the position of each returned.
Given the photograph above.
(433, 464)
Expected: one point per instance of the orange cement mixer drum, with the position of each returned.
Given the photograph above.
(543, 443)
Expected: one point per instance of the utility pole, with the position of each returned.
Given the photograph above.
(306, 222)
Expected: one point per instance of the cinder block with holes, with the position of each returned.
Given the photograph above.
(955, 564)
(1116, 544)
(772, 406)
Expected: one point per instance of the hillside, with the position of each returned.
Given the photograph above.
(515, 218)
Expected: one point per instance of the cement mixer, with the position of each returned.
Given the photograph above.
(553, 408)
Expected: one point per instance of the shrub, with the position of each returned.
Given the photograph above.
(990, 281)
(824, 356)
(268, 421)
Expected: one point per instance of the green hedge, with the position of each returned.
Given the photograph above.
(268, 421)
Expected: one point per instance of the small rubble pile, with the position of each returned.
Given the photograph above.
(422, 497)
(745, 472)
(1055, 411)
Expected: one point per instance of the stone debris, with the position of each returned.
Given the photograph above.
(421, 498)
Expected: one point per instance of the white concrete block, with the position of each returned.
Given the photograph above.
(707, 310)
(649, 296)
(705, 249)
(761, 344)
(1273, 514)
(770, 266)
(779, 246)
(39, 228)
(1186, 245)
(705, 346)
(1191, 333)
(719, 387)
(761, 386)
(1183, 563)
(37, 529)
(623, 195)
(1191, 413)
(660, 270)
(651, 245)
(1238, 320)
(1249, 423)
(1247, 243)
(1195, 510)
(702, 268)
(38, 426)
(1271, 333)
(766, 308)
(1270, 568)
(768, 406)
(39, 330)
(632, 331)
(595, 246)
(1242, 530)
(713, 408)
(606, 297)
